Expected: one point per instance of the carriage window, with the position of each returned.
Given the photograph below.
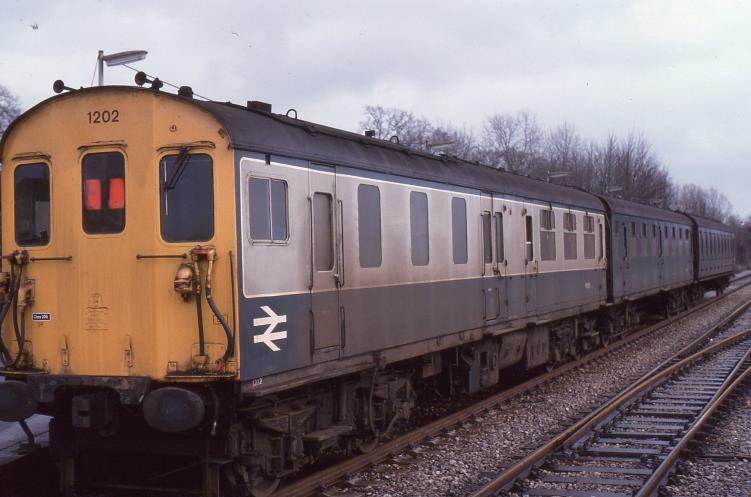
(268, 209)
(547, 235)
(186, 195)
(32, 204)
(500, 256)
(323, 233)
(530, 249)
(369, 225)
(103, 176)
(569, 236)
(660, 247)
(459, 229)
(589, 237)
(418, 226)
(487, 238)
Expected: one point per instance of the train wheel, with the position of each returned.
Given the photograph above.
(366, 445)
(264, 487)
(237, 481)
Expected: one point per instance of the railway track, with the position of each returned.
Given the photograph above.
(314, 483)
(629, 446)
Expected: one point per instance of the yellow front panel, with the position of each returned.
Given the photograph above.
(111, 313)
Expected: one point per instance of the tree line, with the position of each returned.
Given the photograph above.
(622, 166)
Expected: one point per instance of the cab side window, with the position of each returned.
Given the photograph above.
(186, 193)
(32, 204)
(103, 178)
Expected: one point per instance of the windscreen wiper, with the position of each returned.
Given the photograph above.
(177, 171)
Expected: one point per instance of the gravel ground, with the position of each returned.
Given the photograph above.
(704, 478)
(467, 457)
(730, 437)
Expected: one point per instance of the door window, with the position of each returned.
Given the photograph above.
(323, 233)
(103, 178)
(186, 191)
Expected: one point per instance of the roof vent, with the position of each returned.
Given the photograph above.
(370, 133)
(185, 91)
(259, 106)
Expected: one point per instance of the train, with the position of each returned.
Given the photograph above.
(248, 291)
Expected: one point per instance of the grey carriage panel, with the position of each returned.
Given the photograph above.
(416, 312)
(278, 135)
(714, 257)
(638, 268)
(712, 224)
(713, 263)
(628, 208)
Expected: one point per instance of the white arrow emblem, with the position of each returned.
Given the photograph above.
(270, 335)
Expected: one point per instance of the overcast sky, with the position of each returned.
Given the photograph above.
(678, 71)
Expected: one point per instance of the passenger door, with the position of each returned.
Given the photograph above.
(532, 257)
(325, 273)
(500, 264)
(489, 279)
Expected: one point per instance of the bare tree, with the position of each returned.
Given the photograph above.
(707, 202)
(625, 166)
(453, 141)
(408, 129)
(513, 142)
(10, 108)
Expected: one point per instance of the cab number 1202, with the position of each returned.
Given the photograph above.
(104, 116)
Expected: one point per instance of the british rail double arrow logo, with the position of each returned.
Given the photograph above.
(269, 336)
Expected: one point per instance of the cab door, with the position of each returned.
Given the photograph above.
(325, 275)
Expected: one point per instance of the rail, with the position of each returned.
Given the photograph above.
(569, 437)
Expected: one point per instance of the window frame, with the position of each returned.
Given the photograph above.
(499, 251)
(413, 234)
(365, 186)
(458, 241)
(569, 230)
(486, 226)
(317, 240)
(174, 152)
(547, 227)
(271, 241)
(529, 239)
(107, 150)
(48, 165)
